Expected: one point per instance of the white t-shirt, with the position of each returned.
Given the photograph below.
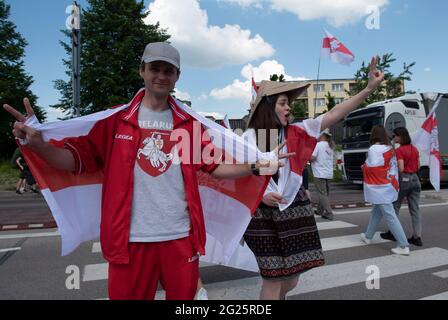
(159, 207)
(323, 165)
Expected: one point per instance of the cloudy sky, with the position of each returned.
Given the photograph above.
(223, 42)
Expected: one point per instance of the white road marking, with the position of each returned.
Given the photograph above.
(334, 225)
(441, 274)
(37, 225)
(349, 241)
(336, 275)
(440, 296)
(10, 249)
(29, 235)
(96, 247)
(94, 272)
(428, 205)
(10, 227)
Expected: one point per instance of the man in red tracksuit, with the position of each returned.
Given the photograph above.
(152, 225)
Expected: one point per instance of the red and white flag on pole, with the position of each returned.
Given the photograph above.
(426, 139)
(334, 49)
(226, 122)
(253, 89)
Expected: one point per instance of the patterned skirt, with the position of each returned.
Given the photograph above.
(285, 243)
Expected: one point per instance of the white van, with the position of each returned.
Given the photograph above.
(409, 111)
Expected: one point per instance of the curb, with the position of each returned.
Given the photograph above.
(51, 225)
(348, 206)
(27, 226)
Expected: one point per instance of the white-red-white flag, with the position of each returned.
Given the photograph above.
(380, 172)
(253, 89)
(335, 50)
(75, 200)
(226, 122)
(228, 204)
(426, 139)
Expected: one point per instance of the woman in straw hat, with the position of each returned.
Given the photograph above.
(283, 233)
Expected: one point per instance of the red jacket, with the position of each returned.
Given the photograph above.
(111, 146)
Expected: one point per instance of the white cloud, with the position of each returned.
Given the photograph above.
(245, 3)
(240, 89)
(201, 44)
(215, 115)
(336, 13)
(53, 114)
(182, 95)
(202, 97)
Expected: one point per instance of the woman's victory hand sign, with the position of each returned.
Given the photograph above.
(375, 76)
(267, 167)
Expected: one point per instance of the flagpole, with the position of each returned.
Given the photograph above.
(317, 85)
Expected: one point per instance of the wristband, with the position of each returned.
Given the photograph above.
(255, 170)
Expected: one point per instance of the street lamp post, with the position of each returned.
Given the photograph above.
(76, 57)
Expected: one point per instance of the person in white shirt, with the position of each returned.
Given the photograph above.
(322, 166)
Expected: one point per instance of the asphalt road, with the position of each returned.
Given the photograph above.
(31, 266)
(21, 211)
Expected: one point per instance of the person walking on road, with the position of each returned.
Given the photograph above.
(26, 180)
(152, 224)
(381, 188)
(283, 234)
(410, 187)
(322, 162)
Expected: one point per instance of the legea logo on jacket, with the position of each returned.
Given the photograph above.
(123, 137)
(155, 155)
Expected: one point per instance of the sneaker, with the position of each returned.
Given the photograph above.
(387, 236)
(328, 217)
(365, 239)
(18, 192)
(316, 213)
(402, 251)
(416, 241)
(201, 294)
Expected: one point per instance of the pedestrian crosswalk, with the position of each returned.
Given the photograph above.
(330, 276)
(440, 296)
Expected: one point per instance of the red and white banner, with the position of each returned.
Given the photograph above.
(426, 139)
(335, 50)
(75, 200)
(253, 89)
(226, 122)
(228, 204)
(380, 173)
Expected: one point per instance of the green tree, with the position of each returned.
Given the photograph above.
(331, 102)
(276, 77)
(14, 81)
(299, 109)
(392, 85)
(113, 37)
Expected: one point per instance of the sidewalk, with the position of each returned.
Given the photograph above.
(30, 211)
(26, 211)
(442, 196)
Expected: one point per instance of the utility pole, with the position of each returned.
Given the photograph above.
(76, 57)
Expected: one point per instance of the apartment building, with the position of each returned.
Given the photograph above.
(314, 97)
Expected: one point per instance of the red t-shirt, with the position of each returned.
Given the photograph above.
(409, 154)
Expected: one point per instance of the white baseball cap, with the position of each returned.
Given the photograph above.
(161, 51)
